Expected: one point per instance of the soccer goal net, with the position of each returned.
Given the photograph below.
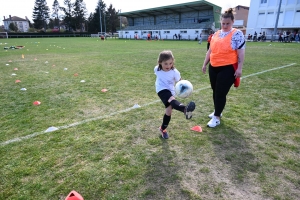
(3, 35)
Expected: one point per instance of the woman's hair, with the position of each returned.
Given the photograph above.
(163, 56)
(228, 14)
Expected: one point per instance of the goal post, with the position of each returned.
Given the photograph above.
(3, 35)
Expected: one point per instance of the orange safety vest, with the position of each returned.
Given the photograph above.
(222, 53)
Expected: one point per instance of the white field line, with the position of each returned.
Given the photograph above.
(19, 139)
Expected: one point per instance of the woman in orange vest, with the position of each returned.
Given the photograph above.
(226, 57)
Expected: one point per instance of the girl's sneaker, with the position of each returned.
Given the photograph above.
(164, 133)
(189, 109)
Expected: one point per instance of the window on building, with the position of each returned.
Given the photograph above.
(263, 1)
(291, 2)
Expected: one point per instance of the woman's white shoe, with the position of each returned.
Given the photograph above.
(213, 114)
(213, 122)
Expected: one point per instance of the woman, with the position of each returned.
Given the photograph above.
(226, 57)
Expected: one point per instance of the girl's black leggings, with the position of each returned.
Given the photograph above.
(221, 79)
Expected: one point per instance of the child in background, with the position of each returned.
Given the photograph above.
(166, 77)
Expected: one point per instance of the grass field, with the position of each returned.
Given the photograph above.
(106, 149)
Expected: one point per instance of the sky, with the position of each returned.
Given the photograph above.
(22, 8)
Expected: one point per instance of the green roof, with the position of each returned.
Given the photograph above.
(171, 9)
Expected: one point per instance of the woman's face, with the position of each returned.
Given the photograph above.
(226, 24)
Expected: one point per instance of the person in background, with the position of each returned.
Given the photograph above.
(200, 39)
(226, 57)
(209, 39)
(166, 77)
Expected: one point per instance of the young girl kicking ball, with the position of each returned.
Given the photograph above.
(166, 77)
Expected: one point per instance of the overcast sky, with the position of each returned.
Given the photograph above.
(22, 8)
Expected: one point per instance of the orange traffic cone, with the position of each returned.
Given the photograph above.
(74, 196)
(197, 128)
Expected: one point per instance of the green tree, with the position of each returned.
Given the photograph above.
(94, 18)
(112, 20)
(79, 13)
(55, 13)
(40, 14)
(13, 27)
(68, 14)
(51, 23)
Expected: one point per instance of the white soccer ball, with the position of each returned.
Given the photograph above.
(183, 88)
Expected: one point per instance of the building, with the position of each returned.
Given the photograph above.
(187, 20)
(22, 24)
(241, 17)
(263, 15)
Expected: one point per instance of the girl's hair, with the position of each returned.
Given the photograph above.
(163, 56)
(228, 14)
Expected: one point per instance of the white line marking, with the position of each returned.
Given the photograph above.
(19, 139)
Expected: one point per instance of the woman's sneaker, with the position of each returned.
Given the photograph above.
(213, 114)
(189, 109)
(213, 122)
(164, 133)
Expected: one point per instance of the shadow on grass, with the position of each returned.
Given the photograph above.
(232, 148)
(162, 178)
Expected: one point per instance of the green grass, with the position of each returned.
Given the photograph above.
(104, 150)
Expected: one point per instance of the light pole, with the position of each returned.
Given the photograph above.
(276, 24)
(100, 17)
(44, 16)
(104, 22)
(120, 20)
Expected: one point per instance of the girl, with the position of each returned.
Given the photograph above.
(166, 77)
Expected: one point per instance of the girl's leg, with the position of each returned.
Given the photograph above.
(166, 118)
(187, 110)
(176, 104)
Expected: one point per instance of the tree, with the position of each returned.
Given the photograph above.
(79, 13)
(40, 14)
(55, 13)
(13, 27)
(68, 14)
(94, 23)
(112, 20)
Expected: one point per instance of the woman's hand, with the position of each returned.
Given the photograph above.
(204, 69)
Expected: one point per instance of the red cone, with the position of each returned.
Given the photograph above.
(36, 103)
(74, 196)
(197, 128)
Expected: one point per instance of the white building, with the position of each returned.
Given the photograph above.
(263, 14)
(187, 20)
(22, 24)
